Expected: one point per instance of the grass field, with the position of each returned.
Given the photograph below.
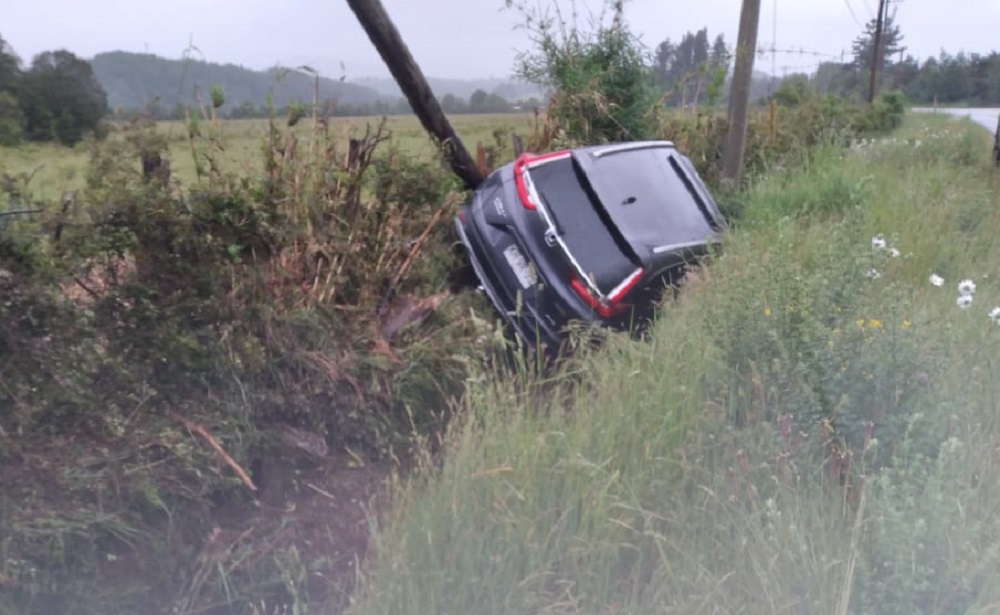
(859, 477)
(54, 169)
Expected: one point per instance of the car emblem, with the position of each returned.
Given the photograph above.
(498, 206)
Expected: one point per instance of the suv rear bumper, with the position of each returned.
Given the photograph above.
(501, 294)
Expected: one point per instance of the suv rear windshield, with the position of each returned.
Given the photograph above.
(578, 220)
(651, 197)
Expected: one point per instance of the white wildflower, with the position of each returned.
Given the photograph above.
(874, 274)
(995, 315)
(964, 301)
(966, 287)
(893, 252)
(936, 280)
(878, 242)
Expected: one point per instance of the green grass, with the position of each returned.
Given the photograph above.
(54, 169)
(795, 437)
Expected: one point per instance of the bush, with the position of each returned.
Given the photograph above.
(602, 90)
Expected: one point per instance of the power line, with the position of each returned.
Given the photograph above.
(851, 9)
(799, 51)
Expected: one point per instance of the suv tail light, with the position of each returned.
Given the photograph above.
(612, 305)
(521, 165)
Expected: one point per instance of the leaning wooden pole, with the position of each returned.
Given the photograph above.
(411, 80)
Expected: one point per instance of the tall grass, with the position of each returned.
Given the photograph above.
(810, 428)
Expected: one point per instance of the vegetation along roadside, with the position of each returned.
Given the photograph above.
(222, 373)
(810, 427)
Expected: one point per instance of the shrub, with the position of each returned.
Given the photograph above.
(602, 90)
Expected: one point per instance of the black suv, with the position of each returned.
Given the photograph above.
(592, 234)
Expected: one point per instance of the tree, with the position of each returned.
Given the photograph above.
(10, 68)
(836, 78)
(720, 52)
(891, 44)
(453, 104)
(794, 90)
(245, 110)
(62, 98)
(11, 118)
(478, 100)
(718, 65)
(481, 102)
(689, 68)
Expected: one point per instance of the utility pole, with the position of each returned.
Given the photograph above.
(396, 55)
(876, 49)
(739, 92)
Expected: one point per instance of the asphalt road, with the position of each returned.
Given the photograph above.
(986, 117)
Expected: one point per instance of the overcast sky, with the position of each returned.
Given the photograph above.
(324, 33)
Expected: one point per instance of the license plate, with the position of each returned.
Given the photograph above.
(519, 265)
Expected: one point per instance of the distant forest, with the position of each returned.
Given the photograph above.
(690, 69)
(962, 79)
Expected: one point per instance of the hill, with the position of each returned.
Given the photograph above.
(133, 80)
(509, 89)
